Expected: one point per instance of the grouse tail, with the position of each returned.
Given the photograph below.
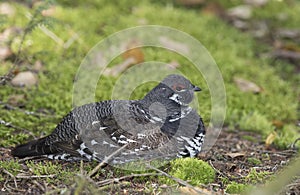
(32, 148)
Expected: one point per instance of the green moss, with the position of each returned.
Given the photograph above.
(254, 161)
(47, 168)
(236, 188)
(53, 170)
(252, 178)
(54, 92)
(255, 177)
(279, 13)
(249, 138)
(194, 171)
(287, 136)
(255, 122)
(12, 167)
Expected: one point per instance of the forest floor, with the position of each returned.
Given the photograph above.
(256, 45)
(237, 157)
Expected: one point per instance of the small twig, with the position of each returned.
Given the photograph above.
(295, 183)
(180, 181)
(34, 176)
(7, 187)
(39, 185)
(218, 171)
(11, 189)
(105, 187)
(106, 160)
(12, 176)
(116, 180)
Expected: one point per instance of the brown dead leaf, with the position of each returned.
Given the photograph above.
(38, 66)
(9, 33)
(270, 139)
(7, 9)
(290, 47)
(119, 68)
(235, 154)
(247, 86)
(278, 124)
(133, 55)
(5, 52)
(132, 51)
(243, 12)
(50, 11)
(26, 79)
(15, 100)
(213, 8)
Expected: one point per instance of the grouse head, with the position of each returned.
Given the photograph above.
(182, 89)
(173, 89)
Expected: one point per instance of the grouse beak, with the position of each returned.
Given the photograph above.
(197, 88)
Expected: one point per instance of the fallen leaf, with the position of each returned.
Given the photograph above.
(278, 124)
(247, 86)
(7, 9)
(288, 33)
(291, 47)
(5, 52)
(133, 55)
(118, 69)
(213, 8)
(242, 12)
(235, 154)
(257, 3)
(50, 11)
(38, 66)
(270, 139)
(26, 78)
(9, 33)
(15, 100)
(132, 51)
(280, 53)
(240, 24)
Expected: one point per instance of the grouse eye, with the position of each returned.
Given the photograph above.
(179, 88)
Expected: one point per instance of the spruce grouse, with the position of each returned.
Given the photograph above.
(161, 125)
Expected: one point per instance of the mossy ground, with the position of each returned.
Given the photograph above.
(91, 21)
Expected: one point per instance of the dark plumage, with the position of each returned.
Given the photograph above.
(159, 125)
